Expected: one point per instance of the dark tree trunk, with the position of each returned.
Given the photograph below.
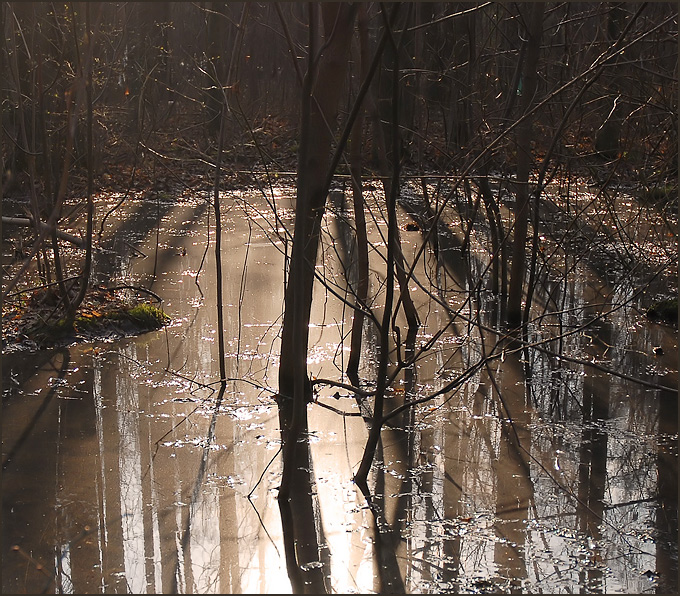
(86, 73)
(213, 94)
(321, 95)
(524, 158)
(392, 245)
(359, 216)
(387, 138)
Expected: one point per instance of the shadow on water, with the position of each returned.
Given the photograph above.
(19, 376)
(143, 220)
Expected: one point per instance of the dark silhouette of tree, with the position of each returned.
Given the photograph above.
(533, 18)
(320, 98)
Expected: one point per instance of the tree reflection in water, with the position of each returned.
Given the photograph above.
(197, 494)
(307, 558)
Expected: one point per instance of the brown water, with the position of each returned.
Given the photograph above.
(125, 469)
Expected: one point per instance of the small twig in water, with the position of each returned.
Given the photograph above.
(264, 471)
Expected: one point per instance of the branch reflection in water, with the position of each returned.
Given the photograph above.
(198, 491)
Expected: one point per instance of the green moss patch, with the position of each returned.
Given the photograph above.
(134, 319)
(145, 315)
(103, 316)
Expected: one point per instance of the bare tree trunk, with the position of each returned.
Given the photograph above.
(29, 149)
(213, 95)
(87, 266)
(387, 163)
(392, 245)
(359, 215)
(218, 251)
(493, 214)
(321, 95)
(224, 108)
(523, 145)
(72, 110)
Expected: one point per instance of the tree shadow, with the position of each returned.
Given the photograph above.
(20, 373)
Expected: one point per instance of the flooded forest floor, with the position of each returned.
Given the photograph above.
(548, 467)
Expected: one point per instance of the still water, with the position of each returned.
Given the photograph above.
(127, 470)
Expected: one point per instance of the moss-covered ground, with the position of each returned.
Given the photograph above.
(36, 322)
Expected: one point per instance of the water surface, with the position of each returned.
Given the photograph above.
(127, 470)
